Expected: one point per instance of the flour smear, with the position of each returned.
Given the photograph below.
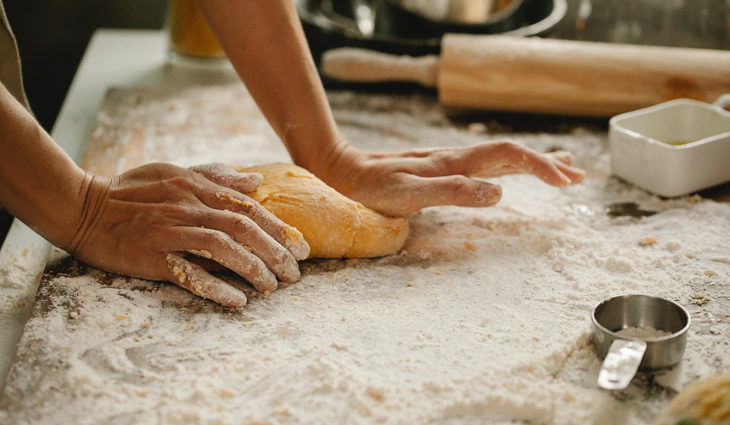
(482, 319)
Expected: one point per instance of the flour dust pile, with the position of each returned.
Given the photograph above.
(483, 318)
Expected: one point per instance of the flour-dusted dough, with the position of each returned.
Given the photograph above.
(333, 225)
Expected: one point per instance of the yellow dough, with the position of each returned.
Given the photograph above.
(705, 402)
(333, 225)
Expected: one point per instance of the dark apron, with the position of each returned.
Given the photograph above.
(12, 79)
(10, 74)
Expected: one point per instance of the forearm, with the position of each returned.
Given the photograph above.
(39, 183)
(266, 44)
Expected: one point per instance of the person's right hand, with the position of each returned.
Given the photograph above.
(142, 223)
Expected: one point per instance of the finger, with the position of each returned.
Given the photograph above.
(425, 152)
(228, 177)
(221, 248)
(477, 159)
(542, 167)
(196, 280)
(529, 161)
(562, 156)
(502, 171)
(286, 235)
(561, 160)
(487, 158)
(247, 233)
(421, 192)
(574, 174)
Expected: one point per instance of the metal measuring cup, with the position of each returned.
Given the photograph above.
(623, 355)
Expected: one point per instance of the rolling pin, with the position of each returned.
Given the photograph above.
(536, 75)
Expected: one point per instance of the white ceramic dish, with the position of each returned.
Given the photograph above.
(643, 154)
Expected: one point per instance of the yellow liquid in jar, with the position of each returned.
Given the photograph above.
(189, 34)
(679, 142)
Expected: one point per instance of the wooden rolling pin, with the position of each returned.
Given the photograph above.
(545, 76)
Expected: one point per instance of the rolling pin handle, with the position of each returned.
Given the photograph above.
(367, 66)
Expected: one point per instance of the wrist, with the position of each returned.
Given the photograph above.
(86, 209)
(322, 158)
(342, 168)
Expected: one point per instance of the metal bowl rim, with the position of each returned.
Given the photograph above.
(669, 337)
(492, 19)
(538, 28)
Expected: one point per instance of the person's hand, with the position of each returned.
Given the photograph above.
(144, 222)
(399, 183)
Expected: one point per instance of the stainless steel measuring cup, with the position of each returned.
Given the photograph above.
(623, 355)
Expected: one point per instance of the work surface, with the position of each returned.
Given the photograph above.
(483, 318)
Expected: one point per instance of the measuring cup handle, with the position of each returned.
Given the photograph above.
(723, 101)
(621, 364)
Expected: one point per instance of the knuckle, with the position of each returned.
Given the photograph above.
(460, 180)
(507, 145)
(543, 159)
(239, 221)
(161, 166)
(418, 153)
(400, 180)
(241, 202)
(176, 212)
(435, 153)
(163, 170)
(208, 169)
(213, 238)
(169, 236)
(167, 166)
(184, 182)
(444, 155)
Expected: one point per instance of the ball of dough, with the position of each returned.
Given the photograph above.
(333, 225)
(705, 402)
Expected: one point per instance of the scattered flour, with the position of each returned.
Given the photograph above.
(482, 319)
(20, 268)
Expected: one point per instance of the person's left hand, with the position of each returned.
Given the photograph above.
(399, 183)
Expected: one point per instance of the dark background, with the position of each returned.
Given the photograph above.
(52, 35)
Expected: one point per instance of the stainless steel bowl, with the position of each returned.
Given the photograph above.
(615, 314)
(460, 11)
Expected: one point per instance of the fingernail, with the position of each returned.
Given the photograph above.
(256, 178)
(497, 194)
(296, 244)
(237, 301)
(489, 195)
(267, 283)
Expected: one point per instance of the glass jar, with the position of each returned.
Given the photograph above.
(189, 36)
